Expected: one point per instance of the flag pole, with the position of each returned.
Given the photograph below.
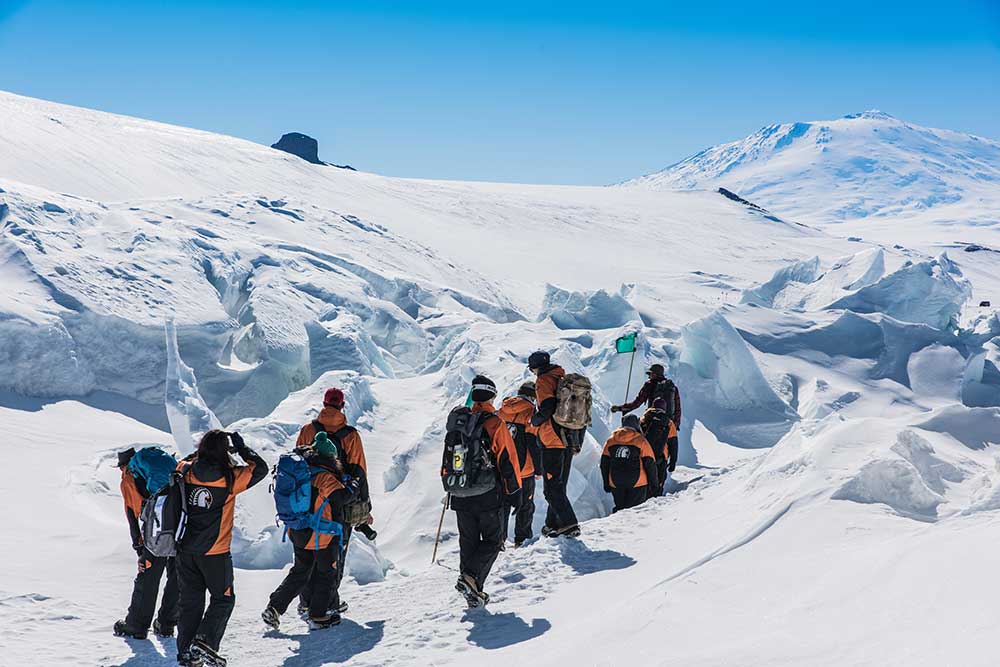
(628, 384)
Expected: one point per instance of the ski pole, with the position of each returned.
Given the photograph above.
(437, 538)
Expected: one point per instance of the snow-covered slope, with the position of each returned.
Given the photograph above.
(839, 449)
(865, 165)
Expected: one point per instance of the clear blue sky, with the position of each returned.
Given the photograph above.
(549, 92)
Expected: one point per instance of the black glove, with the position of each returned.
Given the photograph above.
(238, 441)
(616, 408)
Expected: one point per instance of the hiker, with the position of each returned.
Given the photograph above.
(516, 412)
(480, 472)
(212, 481)
(661, 433)
(351, 452)
(557, 457)
(317, 549)
(657, 386)
(135, 490)
(628, 465)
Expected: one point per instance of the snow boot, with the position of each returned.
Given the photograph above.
(188, 659)
(341, 607)
(162, 630)
(208, 655)
(303, 611)
(519, 543)
(548, 532)
(568, 531)
(324, 622)
(122, 630)
(466, 585)
(271, 618)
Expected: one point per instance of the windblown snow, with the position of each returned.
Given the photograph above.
(838, 500)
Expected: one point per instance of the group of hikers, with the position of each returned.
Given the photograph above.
(180, 514)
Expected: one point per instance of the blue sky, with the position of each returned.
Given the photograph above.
(542, 92)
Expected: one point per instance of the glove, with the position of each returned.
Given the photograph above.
(352, 485)
(238, 441)
(616, 408)
(142, 564)
(514, 499)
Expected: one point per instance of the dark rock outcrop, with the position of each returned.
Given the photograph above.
(301, 145)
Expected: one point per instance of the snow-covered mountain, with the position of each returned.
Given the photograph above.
(865, 165)
(839, 494)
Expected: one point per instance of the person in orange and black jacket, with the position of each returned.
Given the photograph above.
(628, 465)
(212, 480)
(657, 386)
(480, 518)
(661, 433)
(151, 568)
(314, 571)
(516, 411)
(352, 455)
(557, 458)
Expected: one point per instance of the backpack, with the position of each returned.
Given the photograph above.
(657, 431)
(467, 468)
(154, 467)
(356, 510)
(624, 466)
(666, 390)
(164, 515)
(573, 402)
(293, 498)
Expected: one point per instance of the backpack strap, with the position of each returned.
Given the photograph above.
(318, 427)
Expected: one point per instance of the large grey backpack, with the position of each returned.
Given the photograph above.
(573, 402)
(164, 516)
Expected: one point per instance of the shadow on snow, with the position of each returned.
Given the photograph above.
(493, 631)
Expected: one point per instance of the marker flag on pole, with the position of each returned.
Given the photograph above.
(625, 344)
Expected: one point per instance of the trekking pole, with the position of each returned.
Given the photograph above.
(437, 538)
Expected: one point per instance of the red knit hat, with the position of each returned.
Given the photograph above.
(333, 398)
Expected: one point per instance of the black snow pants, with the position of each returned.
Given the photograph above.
(145, 590)
(557, 464)
(524, 514)
(197, 574)
(314, 576)
(629, 497)
(480, 537)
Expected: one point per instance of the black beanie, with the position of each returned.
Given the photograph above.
(632, 422)
(527, 390)
(125, 456)
(538, 360)
(483, 389)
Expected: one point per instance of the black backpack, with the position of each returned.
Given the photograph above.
(467, 468)
(657, 431)
(666, 390)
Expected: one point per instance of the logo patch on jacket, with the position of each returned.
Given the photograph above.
(622, 453)
(200, 497)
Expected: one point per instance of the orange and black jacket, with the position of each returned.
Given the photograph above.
(353, 458)
(133, 492)
(326, 487)
(504, 458)
(210, 504)
(546, 385)
(627, 461)
(516, 411)
(646, 396)
(667, 449)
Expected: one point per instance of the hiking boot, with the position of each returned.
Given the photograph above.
(548, 532)
(568, 531)
(324, 622)
(188, 659)
(209, 656)
(520, 543)
(466, 585)
(162, 629)
(122, 630)
(271, 618)
(303, 611)
(341, 608)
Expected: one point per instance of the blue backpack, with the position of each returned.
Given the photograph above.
(293, 496)
(154, 466)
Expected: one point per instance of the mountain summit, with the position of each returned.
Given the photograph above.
(864, 165)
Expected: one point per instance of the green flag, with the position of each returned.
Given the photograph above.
(625, 344)
(468, 400)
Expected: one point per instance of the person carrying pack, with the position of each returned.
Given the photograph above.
(310, 491)
(661, 433)
(210, 481)
(516, 412)
(480, 472)
(144, 473)
(657, 386)
(559, 402)
(628, 465)
(351, 451)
